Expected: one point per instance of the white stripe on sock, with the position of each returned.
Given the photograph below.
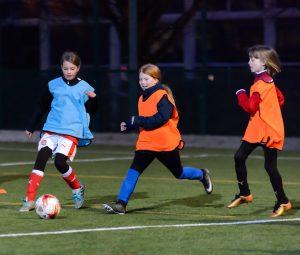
(66, 174)
(38, 172)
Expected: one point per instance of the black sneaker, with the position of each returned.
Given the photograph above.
(206, 181)
(115, 207)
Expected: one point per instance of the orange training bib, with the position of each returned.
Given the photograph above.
(266, 125)
(164, 138)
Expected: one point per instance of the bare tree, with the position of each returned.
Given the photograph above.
(154, 37)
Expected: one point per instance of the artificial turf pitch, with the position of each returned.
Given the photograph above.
(165, 215)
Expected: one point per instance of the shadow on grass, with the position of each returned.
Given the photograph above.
(9, 178)
(196, 201)
(111, 198)
(32, 216)
(105, 199)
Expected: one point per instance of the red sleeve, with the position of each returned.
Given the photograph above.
(249, 104)
(280, 97)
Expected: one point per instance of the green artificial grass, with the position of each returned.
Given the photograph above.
(159, 199)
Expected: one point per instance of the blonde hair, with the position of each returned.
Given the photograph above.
(154, 71)
(267, 55)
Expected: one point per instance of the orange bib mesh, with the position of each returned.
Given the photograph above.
(164, 138)
(266, 125)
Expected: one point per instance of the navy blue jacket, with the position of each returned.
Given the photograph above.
(164, 112)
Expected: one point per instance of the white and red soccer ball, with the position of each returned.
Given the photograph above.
(47, 206)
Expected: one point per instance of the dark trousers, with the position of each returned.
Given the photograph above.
(170, 159)
(270, 155)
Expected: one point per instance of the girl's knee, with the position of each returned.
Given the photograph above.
(61, 164)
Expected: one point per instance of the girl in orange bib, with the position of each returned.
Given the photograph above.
(265, 127)
(158, 138)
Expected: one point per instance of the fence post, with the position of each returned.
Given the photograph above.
(203, 90)
(132, 41)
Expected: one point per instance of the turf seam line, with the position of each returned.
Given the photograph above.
(212, 224)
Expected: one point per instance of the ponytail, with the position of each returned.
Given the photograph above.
(169, 93)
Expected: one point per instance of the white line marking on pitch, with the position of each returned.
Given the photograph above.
(74, 231)
(21, 163)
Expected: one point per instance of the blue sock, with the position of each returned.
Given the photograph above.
(191, 173)
(128, 185)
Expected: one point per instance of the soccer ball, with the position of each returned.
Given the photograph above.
(47, 206)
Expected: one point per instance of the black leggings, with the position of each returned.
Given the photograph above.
(44, 154)
(270, 155)
(170, 159)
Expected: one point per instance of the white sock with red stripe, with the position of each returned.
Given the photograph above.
(71, 179)
(35, 179)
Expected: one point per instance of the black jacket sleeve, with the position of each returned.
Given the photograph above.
(91, 105)
(164, 113)
(42, 108)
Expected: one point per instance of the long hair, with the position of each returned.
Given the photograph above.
(154, 71)
(71, 57)
(267, 55)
